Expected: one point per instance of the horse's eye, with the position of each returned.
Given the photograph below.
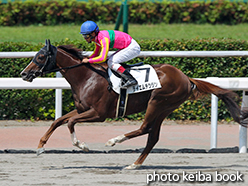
(40, 57)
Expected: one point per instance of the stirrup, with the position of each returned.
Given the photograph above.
(129, 83)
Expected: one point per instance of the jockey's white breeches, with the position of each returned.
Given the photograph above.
(123, 55)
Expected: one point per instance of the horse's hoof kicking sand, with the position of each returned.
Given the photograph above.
(133, 167)
(40, 151)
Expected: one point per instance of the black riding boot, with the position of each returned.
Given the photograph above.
(130, 80)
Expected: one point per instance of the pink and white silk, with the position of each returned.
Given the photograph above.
(102, 43)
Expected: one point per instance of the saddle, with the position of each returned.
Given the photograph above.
(147, 80)
(145, 75)
(127, 67)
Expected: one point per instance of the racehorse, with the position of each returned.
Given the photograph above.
(95, 102)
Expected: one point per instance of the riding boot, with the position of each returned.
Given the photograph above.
(129, 79)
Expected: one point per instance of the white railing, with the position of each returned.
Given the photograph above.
(60, 83)
(148, 54)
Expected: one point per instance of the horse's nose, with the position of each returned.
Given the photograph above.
(23, 75)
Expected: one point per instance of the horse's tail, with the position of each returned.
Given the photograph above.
(227, 96)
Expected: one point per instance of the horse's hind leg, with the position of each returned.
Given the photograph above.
(58, 122)
(150, 117)
(139, 132)
(153, 138)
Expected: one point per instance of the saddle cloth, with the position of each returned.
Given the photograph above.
(145, 75)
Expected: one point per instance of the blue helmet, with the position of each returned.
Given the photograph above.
(88, 27)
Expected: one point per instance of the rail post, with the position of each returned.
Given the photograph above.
(58, 99)
(243, 130)
(214, 119)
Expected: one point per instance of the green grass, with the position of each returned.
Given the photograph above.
(36, 34)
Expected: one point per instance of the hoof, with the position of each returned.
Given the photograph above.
(118, 139)
(83, 146)
(110, 143)
(133, 167)
(40, 151)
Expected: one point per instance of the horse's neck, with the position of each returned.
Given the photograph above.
(75, 75)
(65, 59)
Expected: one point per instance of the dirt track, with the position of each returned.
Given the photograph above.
(107, 168)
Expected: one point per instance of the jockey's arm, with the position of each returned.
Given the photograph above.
(96, 51)
(104, 49)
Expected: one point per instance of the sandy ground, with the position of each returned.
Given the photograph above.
(107, 168)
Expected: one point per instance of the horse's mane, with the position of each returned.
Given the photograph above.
(76, 52)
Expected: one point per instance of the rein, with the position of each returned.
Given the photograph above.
(50, 56)
(51, 59)
(65, 68)
(74, 66)
(105, 75)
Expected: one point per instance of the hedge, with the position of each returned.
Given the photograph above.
(75, 12)
(39, 104)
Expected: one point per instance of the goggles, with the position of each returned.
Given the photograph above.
(86, 36)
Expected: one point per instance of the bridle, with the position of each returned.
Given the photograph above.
(50, 52)
(50, 63)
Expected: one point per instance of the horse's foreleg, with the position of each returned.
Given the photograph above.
(89, 115)
(52, 128)
(79, 144)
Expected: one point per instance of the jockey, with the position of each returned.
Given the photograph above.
(127, 47)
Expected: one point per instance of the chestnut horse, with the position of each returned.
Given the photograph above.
(94, 102)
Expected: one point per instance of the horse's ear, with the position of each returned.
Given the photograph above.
(48, 44)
